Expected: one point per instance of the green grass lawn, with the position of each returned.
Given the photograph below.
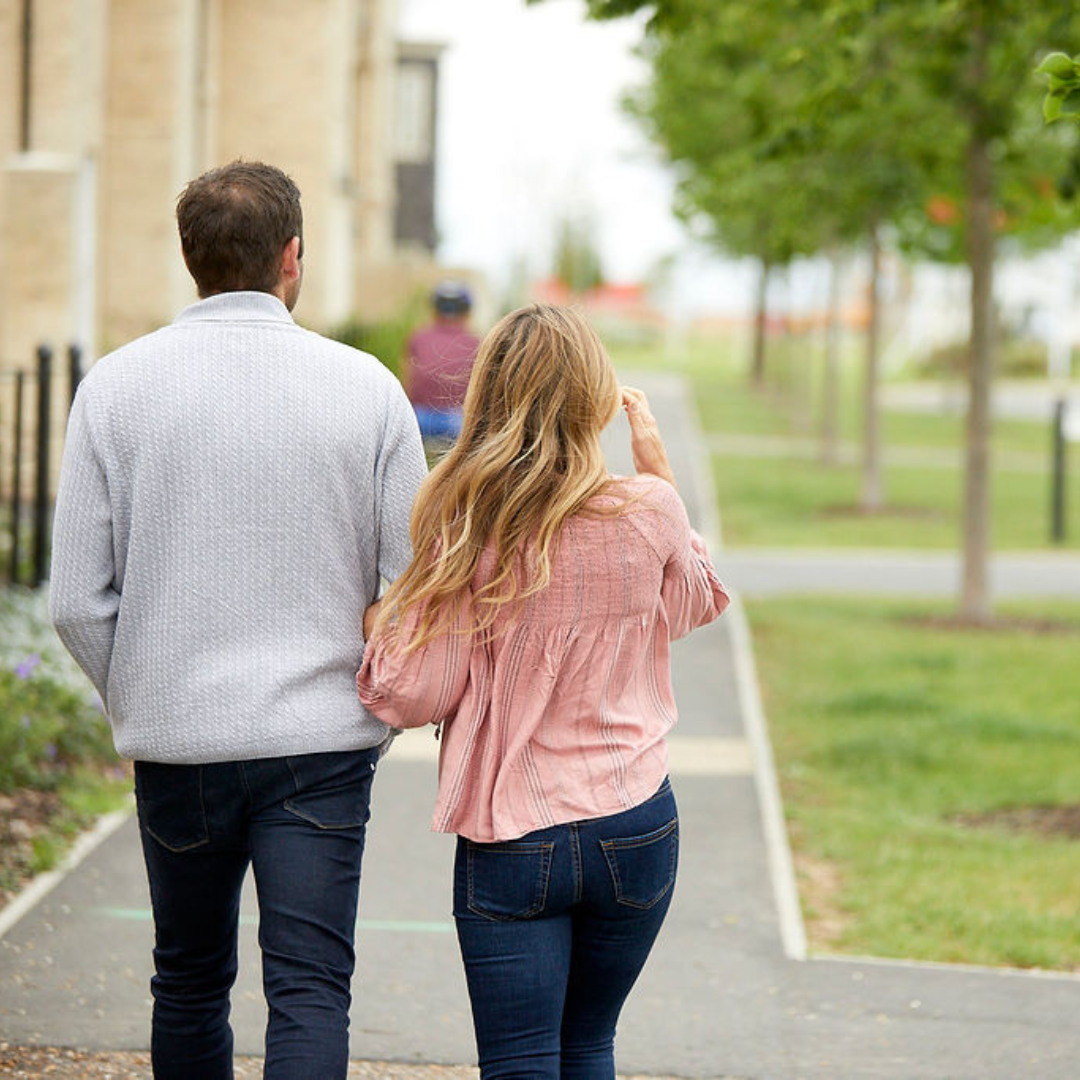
(795, 501)
(887, 729)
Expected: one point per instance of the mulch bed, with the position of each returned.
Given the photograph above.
(1047, 821)
(31, 1062)
(24, 814)
(1022, 624)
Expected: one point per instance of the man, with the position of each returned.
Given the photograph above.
(232, 489)
(439, 361)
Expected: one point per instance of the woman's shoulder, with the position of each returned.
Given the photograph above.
(647, 504)
(645, 490)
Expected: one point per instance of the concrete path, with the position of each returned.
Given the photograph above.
(849, 453)
(727, 992)
(1015, 399)
(763, 572)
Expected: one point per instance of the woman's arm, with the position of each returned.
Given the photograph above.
(691, 593)
(424, 686)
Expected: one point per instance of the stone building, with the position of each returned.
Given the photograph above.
(108, 107)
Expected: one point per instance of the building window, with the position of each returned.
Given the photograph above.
(415, 106)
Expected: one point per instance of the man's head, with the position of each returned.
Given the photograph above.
(241, 229)
(451, 300)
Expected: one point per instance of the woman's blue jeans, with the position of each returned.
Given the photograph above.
(554, 929)
(300, 822)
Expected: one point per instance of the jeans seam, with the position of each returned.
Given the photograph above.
(242, 770)
(575, 861)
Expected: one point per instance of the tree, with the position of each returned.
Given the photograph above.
(941, 88)
(577, 259)
(779, 143)
(976, 56)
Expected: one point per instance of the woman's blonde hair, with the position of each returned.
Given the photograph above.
(528, 457)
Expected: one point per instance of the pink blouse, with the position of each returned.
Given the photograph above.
(561, 716)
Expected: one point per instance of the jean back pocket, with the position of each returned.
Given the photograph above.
(509, 880)
(643, 867)
(332, 790)
(170, 804)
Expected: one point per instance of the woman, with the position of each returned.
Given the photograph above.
(534, 626)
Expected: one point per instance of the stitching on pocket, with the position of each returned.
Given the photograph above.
(330, 826)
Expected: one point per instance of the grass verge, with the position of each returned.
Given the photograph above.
(899, 740)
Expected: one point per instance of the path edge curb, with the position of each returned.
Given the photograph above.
(777, 844)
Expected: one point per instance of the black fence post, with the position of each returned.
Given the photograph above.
(74, 368)
(16, 481)
(41, 499)
(1057, 493)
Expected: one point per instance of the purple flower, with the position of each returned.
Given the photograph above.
(25, 721)
(26, 668)
(50, 751)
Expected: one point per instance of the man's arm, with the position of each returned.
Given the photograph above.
(401, 468)
(83, 600)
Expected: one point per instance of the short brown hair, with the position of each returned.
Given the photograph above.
(234, 224)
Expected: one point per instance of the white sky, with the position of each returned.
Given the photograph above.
(531, 129)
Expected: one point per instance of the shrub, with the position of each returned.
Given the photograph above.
(386, 338)
(51, 720)
(1018, 358)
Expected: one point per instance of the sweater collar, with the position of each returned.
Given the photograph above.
(236, 307)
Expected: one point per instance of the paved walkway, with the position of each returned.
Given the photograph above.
(763, 572)
(727, 992)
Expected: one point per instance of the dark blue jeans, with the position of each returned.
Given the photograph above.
(554, 929)
(299, 821)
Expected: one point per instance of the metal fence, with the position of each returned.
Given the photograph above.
(34, 404)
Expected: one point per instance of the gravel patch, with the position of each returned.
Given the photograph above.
(33, 1062)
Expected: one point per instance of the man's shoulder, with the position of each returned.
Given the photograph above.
(339, 353)
(136, 351)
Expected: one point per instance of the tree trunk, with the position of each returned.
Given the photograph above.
(872, 486)
(830, 387)
(975, 590)
(975, 585)
(757, 368)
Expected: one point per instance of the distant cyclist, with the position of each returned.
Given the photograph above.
(438, 362)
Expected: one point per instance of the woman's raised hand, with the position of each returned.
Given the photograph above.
(646, 445)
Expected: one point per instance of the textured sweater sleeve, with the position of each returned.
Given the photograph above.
(400, 469)
(83, 594)
(691, 593)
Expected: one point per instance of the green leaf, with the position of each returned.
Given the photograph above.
(1052, 106)
(1070, 106)
(1059, 66)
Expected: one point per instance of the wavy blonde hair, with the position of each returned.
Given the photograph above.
(528, 458)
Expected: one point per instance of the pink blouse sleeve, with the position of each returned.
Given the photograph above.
(691, 592)
(410, 689)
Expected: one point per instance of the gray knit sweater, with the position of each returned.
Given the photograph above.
(232, 488)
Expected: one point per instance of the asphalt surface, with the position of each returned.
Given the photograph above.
(726, 992)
